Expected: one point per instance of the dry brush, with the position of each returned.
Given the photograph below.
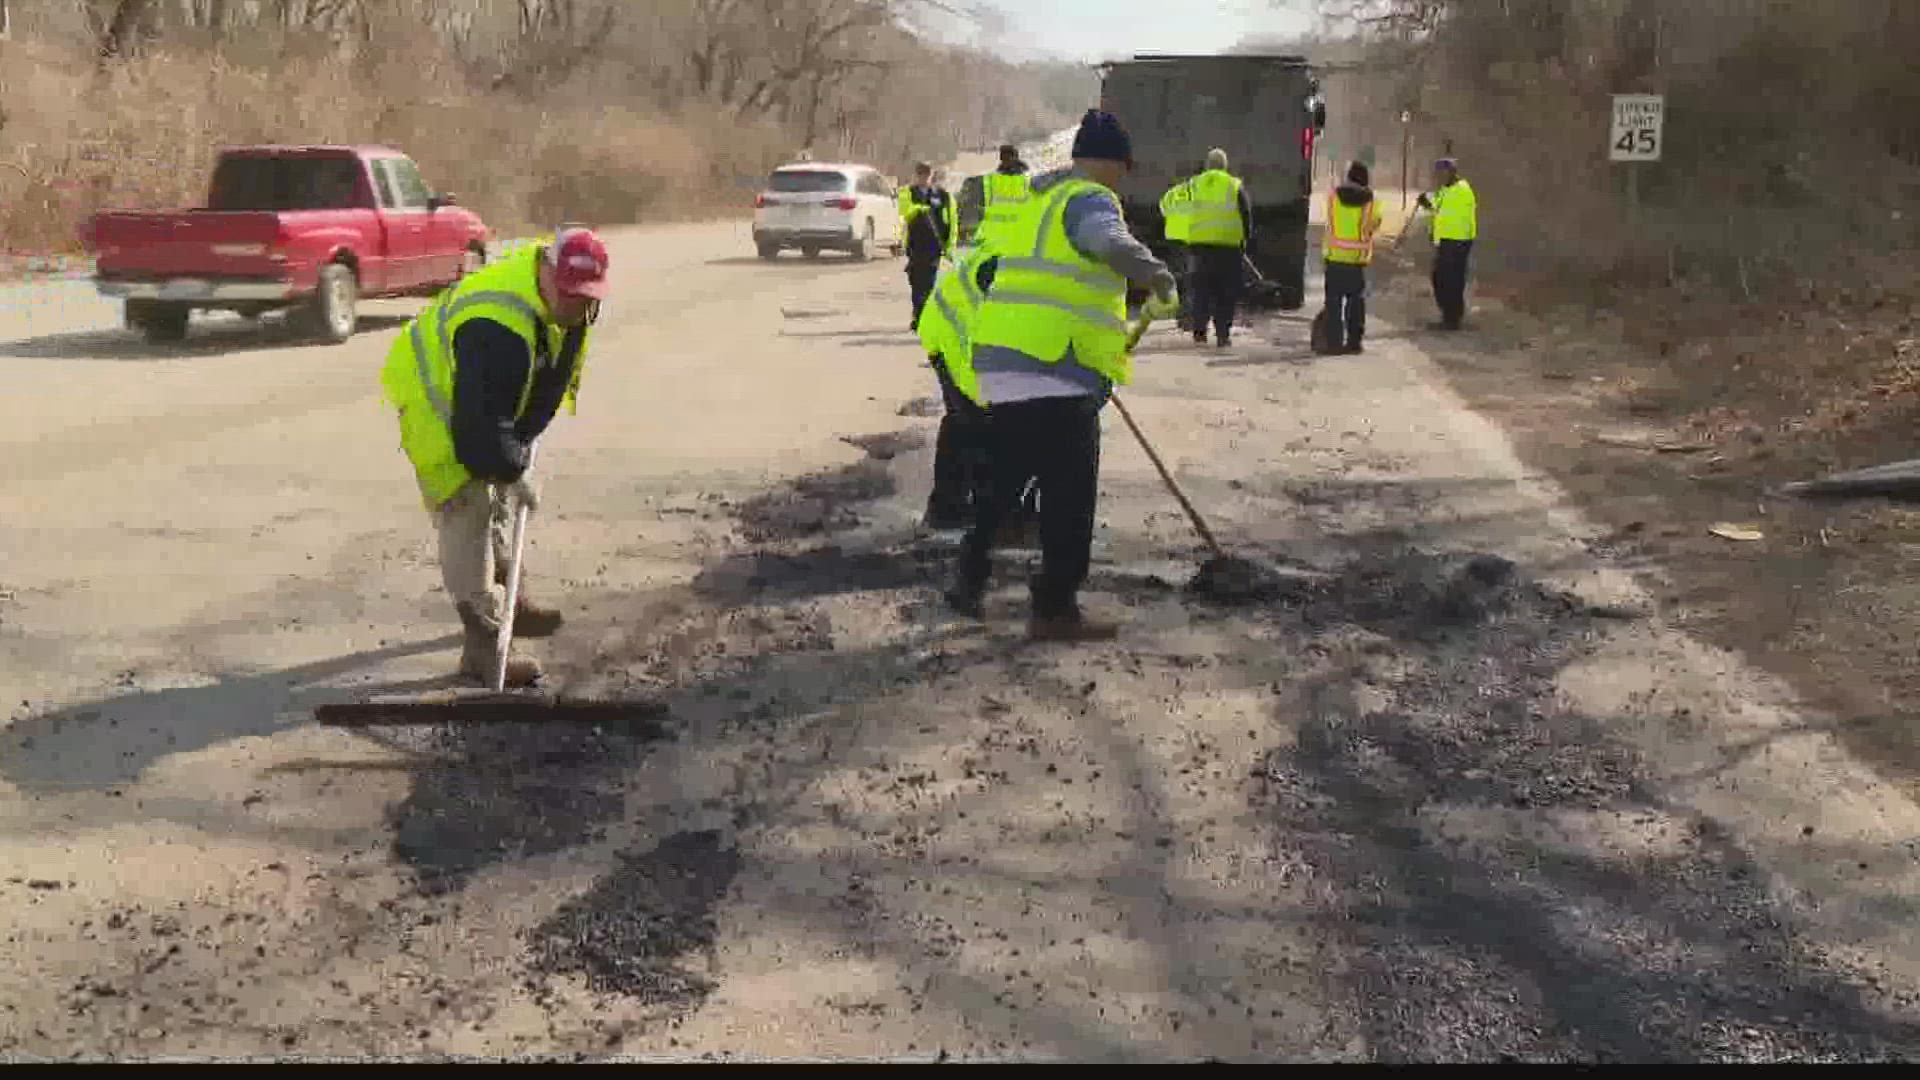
(532, 111)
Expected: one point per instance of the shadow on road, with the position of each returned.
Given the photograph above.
(203, 339)
(111, 741)
(832, 261)
(1412, 776)
(865, 336)
(1509, 889)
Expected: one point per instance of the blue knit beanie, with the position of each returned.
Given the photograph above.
(1101, 138)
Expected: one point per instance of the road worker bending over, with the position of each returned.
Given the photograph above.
(961, 453)
(1048, 343)
(477, 377)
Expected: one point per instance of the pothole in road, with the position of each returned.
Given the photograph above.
(636, 931)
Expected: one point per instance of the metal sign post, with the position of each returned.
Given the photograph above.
(1638, 135)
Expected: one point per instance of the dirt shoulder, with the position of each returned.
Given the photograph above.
(1689, 413)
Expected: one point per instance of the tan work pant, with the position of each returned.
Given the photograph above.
(476, 541)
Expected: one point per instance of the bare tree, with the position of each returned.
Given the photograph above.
(132, 21)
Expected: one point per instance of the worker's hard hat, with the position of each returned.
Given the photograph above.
(579, 261)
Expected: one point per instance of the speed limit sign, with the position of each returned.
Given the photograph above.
(1638, 122)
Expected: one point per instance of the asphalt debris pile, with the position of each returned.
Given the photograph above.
(1428, 784)
(888, 445)
(483, 795)
(1417, 596)
(642, 929)
(1234, 580)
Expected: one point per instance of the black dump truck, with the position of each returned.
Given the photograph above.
(1264, 110)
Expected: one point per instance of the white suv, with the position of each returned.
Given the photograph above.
(817, 207)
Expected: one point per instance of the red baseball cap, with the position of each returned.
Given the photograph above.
(579, 261)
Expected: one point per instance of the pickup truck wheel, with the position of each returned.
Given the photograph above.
(768, 251)
(333, 307)
(810, 252)
(160, 324)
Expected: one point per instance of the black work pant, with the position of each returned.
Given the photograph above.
(1450, 280)
(1217, 274)
(1346, 304)
(1177, 261)
(961, 454)
(1058, 441)
(920, 277)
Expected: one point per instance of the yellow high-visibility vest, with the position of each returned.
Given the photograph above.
(1048, 298)
(1214, 211)
(1350, 231)
(947, 322)
(418, 377)
(1456, 212)
(1002, 196)
(1176, 208)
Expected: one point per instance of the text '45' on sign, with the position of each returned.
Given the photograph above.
(1638, 122)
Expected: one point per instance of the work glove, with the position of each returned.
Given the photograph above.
(1423, 202)
(1165, 286)
(522, 491)
(1165, 301)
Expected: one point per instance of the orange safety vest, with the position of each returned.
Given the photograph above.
(1350, 232)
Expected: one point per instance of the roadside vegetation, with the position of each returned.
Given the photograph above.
(1744, 315)
(531, 111)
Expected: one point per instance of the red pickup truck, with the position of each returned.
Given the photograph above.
(306, 228)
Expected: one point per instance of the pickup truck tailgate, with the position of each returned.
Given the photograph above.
(193, 243)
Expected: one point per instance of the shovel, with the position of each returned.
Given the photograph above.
(1224, 577)
(496, 702)
(504, 642)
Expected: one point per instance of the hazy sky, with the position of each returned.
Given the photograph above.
(1097, 29)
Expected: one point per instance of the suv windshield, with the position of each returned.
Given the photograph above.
(808, 182)
(285, 183)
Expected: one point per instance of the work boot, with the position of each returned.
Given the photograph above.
(1070, 627)
(531, 618)
(967, 598)
(478, 653)
(948, 518)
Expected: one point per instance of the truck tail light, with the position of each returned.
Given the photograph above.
(1306, 142)
(759, 201)
(845, 202)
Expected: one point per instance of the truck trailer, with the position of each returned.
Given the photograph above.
(1264, 110)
